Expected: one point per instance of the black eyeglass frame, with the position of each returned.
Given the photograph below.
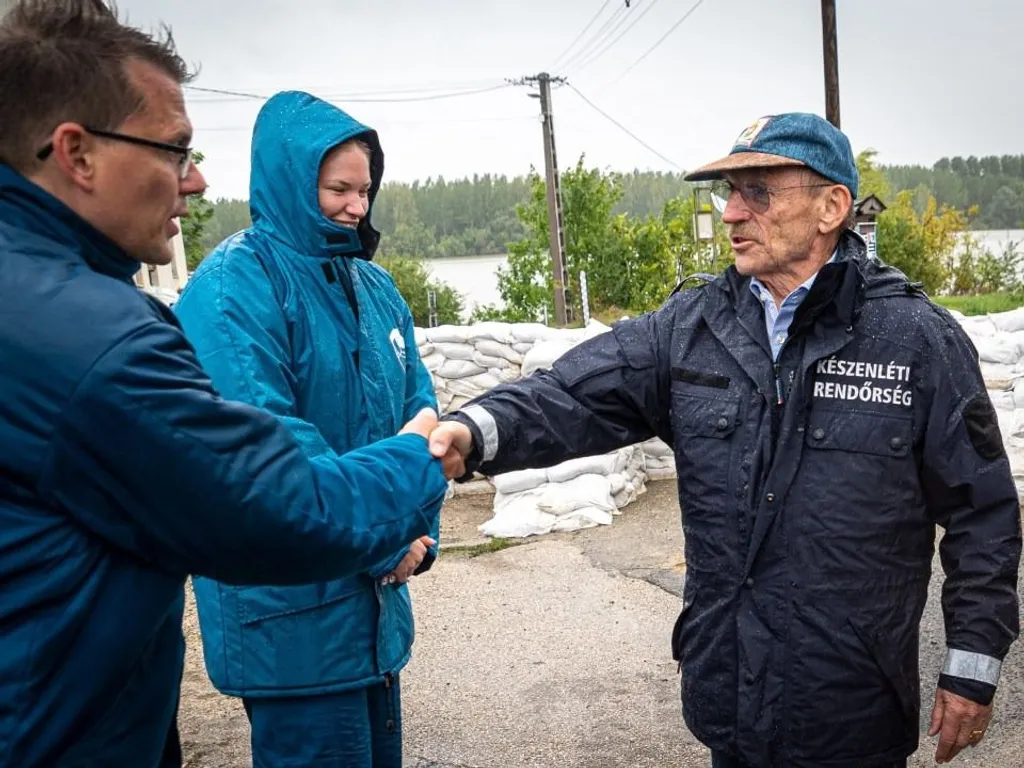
(185, 152)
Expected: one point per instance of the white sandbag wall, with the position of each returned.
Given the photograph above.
(999, 339)
(466, 361)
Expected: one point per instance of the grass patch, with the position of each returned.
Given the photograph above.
(982, 304)
(486, 548)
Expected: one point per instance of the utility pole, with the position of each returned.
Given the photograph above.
(831, 49)
(559, 273)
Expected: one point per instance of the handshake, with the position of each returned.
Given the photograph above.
(450, 441)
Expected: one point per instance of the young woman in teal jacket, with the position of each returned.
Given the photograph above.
(292, 315)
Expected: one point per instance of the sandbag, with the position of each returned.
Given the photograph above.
(551, 507)
(488, 361)
(592, 491)
(459, 369)
(450, 334)
(433, 361)
(495, 349)
(605, 464)
(522, 480)
(657, 447)
(466, 388)
(1001, 347)
(544, 354)
(1011, 321)
(506, 375)
(499, 332)
(455, 351)
(530, 332)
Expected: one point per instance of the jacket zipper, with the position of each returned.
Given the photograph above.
(778, 383)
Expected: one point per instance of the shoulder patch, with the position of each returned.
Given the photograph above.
(983, 427)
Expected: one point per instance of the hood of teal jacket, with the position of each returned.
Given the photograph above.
(293, 134)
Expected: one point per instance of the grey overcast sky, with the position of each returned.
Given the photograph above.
(919, 79)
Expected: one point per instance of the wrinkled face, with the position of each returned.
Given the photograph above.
(769, 240)
(137, 191)
(344, 185)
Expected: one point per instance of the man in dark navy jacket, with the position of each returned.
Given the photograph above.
(825, 416)
(121, 470)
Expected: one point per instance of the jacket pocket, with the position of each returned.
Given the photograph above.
(260, 603)
(704, 425)
(856, 431)
(901, 674)
(858, 487)
(703, 415)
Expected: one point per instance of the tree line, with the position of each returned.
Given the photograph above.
(633, 232)
(476, 216)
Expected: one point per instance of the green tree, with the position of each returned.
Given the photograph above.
(200, 211)
(414, 283)
(873, 180)
(1006, 209)
(923, 247)
(229, 216)
(632, 263)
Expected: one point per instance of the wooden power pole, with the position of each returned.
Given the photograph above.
(831, 50)
(559, 275)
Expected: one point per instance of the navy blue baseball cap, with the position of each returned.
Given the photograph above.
(788, 140)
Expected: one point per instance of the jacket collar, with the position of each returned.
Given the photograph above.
(842, 284)
(28, 207)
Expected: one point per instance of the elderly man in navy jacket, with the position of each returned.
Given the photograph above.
(826, 417)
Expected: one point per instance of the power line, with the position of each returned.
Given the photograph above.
(609, 28)
(445, 121)
(590, 60)
(660, 40)
(590, 23)
(237, 94)
(366, 98)
(622, 127)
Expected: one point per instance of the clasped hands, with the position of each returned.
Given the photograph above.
(450, 442)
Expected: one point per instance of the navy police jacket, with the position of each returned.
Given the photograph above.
(810, 492)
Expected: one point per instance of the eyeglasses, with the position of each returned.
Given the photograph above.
(756, 195)
(184, 153)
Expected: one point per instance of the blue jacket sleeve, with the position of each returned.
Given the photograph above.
(151, 459)
(420, 395)
(419, 389)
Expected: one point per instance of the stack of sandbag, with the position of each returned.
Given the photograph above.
(576, 494)
(659, 458)
(466, 361)
(999, 339)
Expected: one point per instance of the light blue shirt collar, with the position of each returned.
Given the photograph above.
(777, 319)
